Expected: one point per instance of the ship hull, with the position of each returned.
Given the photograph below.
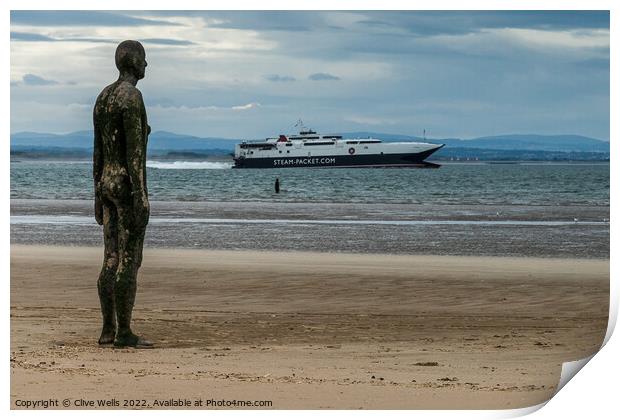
(342, 161)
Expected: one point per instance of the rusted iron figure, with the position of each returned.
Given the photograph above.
(121, 196)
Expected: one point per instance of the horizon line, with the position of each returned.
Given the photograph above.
(343, 132)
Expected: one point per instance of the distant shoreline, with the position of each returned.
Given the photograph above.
(165, 145)
(223, 158)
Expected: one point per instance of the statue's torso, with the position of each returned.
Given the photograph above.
(115, 104)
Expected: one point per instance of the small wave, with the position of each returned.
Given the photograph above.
(188, 165)
(89, 220)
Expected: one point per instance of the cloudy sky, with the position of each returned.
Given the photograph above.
(254, 74)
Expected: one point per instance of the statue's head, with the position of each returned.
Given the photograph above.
(131, 58)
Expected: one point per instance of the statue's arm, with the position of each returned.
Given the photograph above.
(97, 168)
(136, 151)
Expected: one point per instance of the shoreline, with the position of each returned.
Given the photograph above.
(92, 251)
(517, 231)
(397, 211)
(309, 330)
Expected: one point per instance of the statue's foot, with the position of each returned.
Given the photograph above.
(132, 340)
(107, 336)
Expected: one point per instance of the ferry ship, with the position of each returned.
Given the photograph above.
(310, 149)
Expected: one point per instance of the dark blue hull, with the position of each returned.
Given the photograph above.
(385, 160)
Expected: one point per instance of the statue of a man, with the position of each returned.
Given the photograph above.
(121, 196)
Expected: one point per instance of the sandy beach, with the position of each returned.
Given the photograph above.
(307, 330)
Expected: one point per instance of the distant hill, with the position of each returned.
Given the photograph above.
(163, 140)
(159, 140)
(77, 139)
(517, 146)
(554, 143)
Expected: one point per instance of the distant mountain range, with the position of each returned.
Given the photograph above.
(555, 143)
(159, 140)
(504, 146)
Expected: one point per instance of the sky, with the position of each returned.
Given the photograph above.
(255, 74)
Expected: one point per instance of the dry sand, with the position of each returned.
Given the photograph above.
(308, 330)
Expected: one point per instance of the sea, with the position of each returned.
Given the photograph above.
(548, 210)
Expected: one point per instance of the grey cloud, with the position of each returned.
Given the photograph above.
(34, 80)
(267, 20)
(374, 22)
(396, 45)
(250, 20)
(596, 63)
(162, 101)
(80, 18)
(34, 37)
(167, 41)
(323, 76)
(28, 36)
(417, 23)
(457, 85)
(431, 23)
(93, 40)
(279, 78)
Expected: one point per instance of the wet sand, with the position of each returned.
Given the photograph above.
(554, 231)
(308, 330)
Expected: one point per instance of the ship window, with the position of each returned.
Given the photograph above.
(289, 144)
(370, 141)
(319, 143)
(352, 142)
(280, 151)
(288, 151)
(365, 147)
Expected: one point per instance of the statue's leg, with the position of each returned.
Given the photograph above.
(131, 239)
(107, 276)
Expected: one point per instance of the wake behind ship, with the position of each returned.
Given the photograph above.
(309, 149)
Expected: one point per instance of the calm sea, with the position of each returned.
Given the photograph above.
(539, 210)
(476, 184)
